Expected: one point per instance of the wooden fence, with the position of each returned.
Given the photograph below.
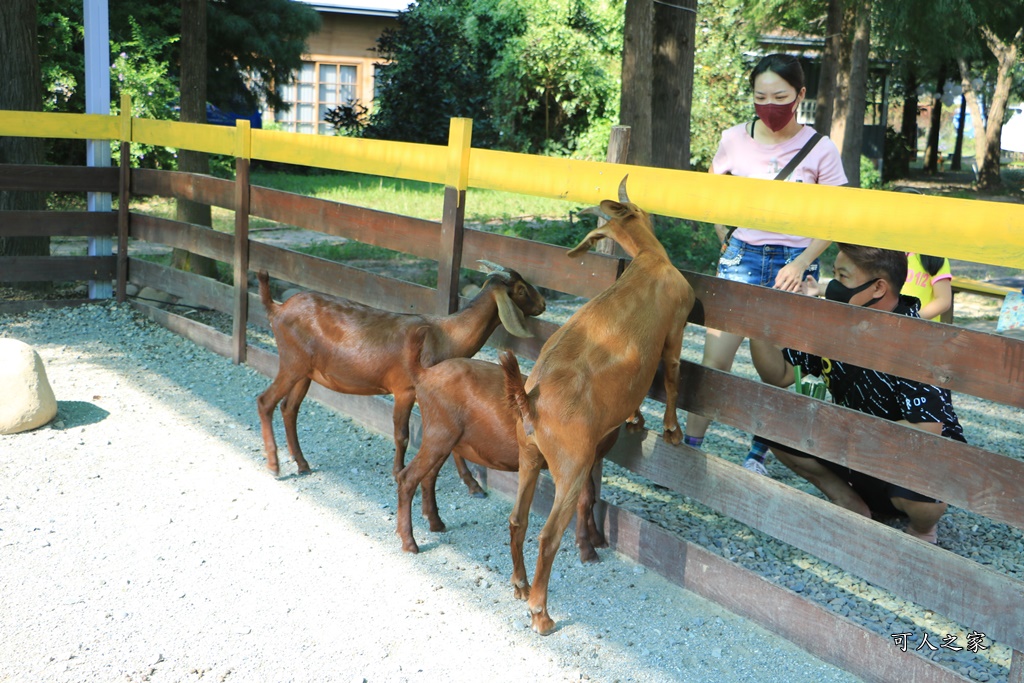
(982, 365)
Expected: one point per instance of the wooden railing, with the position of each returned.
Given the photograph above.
(983, 365)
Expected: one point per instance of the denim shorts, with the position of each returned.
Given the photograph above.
(758, 264)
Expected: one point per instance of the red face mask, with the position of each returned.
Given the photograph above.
(775, 116)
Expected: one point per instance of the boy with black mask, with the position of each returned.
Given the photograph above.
(866, 276)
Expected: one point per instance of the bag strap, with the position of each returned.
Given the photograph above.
(804, 151)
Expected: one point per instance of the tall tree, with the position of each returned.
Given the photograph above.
(849, 103)
(635, 109)
(829, 68)
(21, 91)
(193, 110)
(988, 133)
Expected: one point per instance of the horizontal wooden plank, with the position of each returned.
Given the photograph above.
(389, 230)
(58, 178)
(412, 161)
(56, 268)
(194, 288)
(543, 265)
(59, 125)
(196, 332)
(966, 476)
(340, 280)
(849, 646)
(15, 307)
(58, 223)
(963, 284)
(192, 186)
(985, 365)
(947, 583)
(196, 239)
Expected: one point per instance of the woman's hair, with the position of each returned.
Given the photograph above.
(931, 263)
(786, 66)
(884, 263)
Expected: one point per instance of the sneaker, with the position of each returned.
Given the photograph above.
(755, 466)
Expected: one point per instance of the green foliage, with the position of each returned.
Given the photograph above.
(534, 76)
(721, 95)
(870, 178)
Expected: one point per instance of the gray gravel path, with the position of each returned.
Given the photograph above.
(142, 540)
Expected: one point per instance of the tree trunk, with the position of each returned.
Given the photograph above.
(931, 150)
(958, 149)
(908, 127)
(193, 110)
(825, 101)
(1006, 56)
(637, 78)
(22, 91)
(851, 94)
(675, 26)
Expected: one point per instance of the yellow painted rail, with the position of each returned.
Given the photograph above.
(970, 230)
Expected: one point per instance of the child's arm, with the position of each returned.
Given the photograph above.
(943, 291)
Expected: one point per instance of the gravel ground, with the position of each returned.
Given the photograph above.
(152, 545)
(144, 540)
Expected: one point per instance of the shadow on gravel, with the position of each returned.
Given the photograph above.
(79, 413)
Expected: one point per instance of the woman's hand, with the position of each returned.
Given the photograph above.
(790, 278)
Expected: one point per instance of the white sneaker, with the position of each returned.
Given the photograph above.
(756, 467)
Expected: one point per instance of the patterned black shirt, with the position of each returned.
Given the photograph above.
(879, 394)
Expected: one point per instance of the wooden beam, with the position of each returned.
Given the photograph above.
(240, 314)
(123, 201)
(450, 261)
(409, 235)
(57, 268)
(58, 224)
(194, 187)
(199, 290)
(341, 280)
(196, 239)
(196, 332)
(58, 178)
(954, 586)
(966, 476)
(985, 365)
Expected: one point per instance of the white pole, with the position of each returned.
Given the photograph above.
(97, 101)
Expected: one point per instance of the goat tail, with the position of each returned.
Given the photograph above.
(268, 301)
(515, 391)
(413, 352)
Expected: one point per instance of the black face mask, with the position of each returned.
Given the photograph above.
(837, 291)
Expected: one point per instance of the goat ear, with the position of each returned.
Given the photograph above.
(510, 315)
(616, 209)
(592, 238)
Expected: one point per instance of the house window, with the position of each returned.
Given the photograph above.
(318, 87)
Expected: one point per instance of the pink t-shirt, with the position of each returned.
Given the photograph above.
(740, 155)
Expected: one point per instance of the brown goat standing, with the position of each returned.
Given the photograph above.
(464, 411)
(590, 377)
(355, 349)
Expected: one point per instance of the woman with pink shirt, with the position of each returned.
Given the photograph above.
(764, 148)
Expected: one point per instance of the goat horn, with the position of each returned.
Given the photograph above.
(490, 267)
(623, 197)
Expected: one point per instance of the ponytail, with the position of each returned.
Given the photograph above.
(931, 263)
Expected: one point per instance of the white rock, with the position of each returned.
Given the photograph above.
(28, 400)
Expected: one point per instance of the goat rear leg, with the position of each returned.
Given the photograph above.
(428, 493)
(265, 405)
(404, 400)
(290, 415)
(589, 534)
(529, 470)
(468, 479)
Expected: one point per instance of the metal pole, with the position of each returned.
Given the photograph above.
(97, 101)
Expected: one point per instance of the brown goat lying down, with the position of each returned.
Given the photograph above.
(591, 376)
(355, 349)
(464, 411)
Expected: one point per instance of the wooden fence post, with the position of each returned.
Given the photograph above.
(123, 194)
(618, 148)
(241, 251)
(449, 262)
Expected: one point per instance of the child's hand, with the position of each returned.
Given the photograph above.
(809, 286)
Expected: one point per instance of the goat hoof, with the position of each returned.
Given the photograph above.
(479, 493)
(438, 526)
(521, 592)
(274, 469)
(588, 555)
(542, 623)
(410, 547)
(674, 436)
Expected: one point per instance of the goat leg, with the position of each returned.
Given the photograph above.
(290, 416)
(403, 410)
(468, 479)
(517, 523)
(428, 494)
(670, 360)
(635, 424)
